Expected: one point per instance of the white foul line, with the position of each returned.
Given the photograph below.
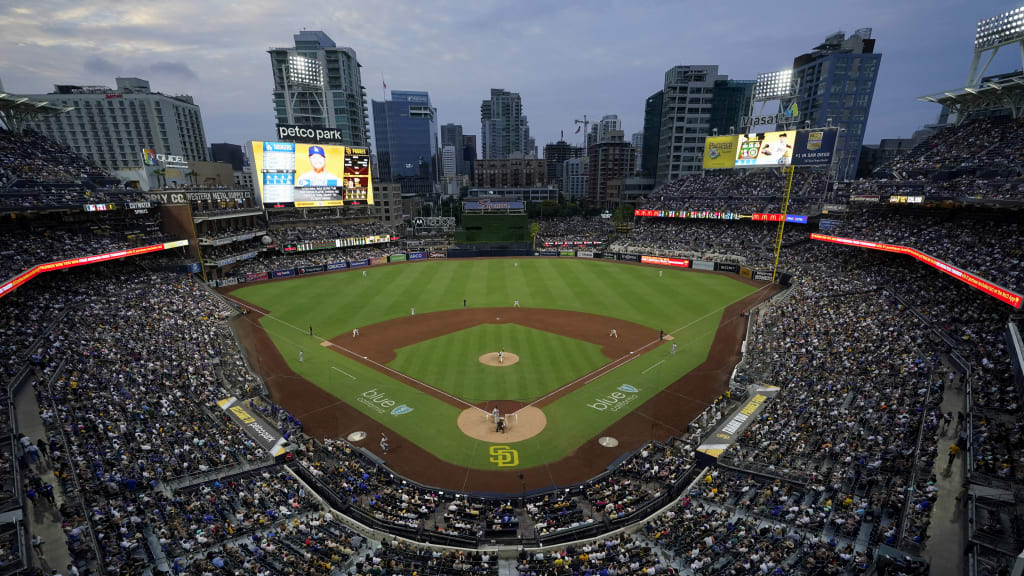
(649, 368)
(353, 377)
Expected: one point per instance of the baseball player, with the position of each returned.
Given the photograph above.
(501, 356)
(300, 356)
(364, 273)
(495, 414)
(614, 333)
(673, 349)
(384, 443)
(412, 311)
(310, 329)
(515, 264)
(516, 303)
(659, 273)
(355, 332)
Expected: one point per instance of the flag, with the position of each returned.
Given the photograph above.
(385, 84)
(578, 129)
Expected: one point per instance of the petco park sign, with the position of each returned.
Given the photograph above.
(294, 133)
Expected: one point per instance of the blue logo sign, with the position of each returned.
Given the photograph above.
(401, 409)
(629, 389)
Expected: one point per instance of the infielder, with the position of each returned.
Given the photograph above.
(412, 311)
(355, 332)
(614, 333)
(516, 303)
(673, 349)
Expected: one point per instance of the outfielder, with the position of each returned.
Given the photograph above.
(300, 356)
(412, 311)
(673, 349)
(364, 273)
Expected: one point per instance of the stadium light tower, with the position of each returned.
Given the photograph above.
(994, 33)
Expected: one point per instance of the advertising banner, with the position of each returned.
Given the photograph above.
(583, 254)
(727, 267)
(763, 275)
(994, 290)
(438, 255)
(814, 147)
(255, 276)
(569, 253)
(337, 265)
(418, 255)
(609, 255)
(628, 257)
(311, 269)
(746, 272)
(263, 432)
(765, 148)
(864, 198)
(720, 152)
(835, 207)
(547, 253)
(702, 265)
(396, 258)
(282, 273)
(695, 214)
(229, 282)
(790, 218)
(677, 262)
(378, 260)
(358, 263)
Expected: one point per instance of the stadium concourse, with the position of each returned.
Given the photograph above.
(118, 458)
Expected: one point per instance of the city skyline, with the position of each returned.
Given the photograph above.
(560, 62)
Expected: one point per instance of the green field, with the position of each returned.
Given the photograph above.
(684, 303)
(546, 362)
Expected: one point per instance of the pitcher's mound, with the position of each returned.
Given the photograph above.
(526, 423)
(491, 359)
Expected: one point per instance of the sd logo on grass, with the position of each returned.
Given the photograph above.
(504, 456)
(628, 389)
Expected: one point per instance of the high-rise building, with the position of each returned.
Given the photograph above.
(406, 131)
(608, 161)
(504, 131)
(230, 153)
(835, 84)
(318, 84)
(574, 178)
(730, 102)
(451, 135)
(652, 134)
(637, 140)
(685, 119)
(113, 127)
(448, 161)
(555, 156)
(469, 153)
(510, 173)
(600, 130)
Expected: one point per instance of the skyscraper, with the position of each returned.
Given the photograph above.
(608, 161)
(469, 153)
(652, 134)
(318, 84)
(504, 131)
(835, 84)
(730, 102)
(637, 140)
(451, 135)
(406, 130)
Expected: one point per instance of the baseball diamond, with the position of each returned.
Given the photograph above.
(413, 376)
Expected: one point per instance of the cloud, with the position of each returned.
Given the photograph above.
(101, 66)
(173, 69)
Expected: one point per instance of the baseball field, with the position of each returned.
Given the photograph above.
(425, 368)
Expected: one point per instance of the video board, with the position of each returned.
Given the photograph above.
(312, 175)
(765, 148)
(719, 152)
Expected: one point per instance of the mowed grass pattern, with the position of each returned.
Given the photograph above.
(687, 303)
(546, 362)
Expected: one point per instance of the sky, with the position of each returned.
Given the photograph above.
(565, 58)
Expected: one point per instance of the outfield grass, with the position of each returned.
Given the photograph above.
(546, 362)
(686, 303)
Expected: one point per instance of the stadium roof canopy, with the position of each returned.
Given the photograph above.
(1002, 92)
(15, 109)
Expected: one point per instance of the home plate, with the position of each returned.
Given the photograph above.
(356, 436)
(607, 441)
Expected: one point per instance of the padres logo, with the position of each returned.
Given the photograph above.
(504, 456)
